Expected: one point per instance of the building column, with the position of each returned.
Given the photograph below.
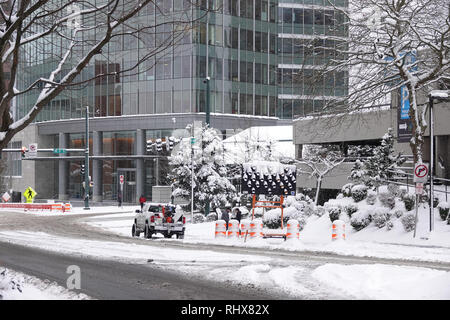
(63, 179)
(140, 167)
(97, 166)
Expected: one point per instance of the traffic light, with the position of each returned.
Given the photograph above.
(23, 150)
(149, 145)
(82, 170)
(158, 145)
(170, 142)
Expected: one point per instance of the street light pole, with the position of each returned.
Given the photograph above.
(86, 163)
(208, 122)
(440, 95)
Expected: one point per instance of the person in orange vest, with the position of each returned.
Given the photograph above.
(142, 200)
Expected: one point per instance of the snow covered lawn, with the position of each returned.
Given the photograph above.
(18, 286)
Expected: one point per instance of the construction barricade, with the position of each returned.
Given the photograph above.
(233, 229)
(338, 230)
(67, 207)
(221, 228)
(293, 229)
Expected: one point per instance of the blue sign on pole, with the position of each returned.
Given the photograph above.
(404, 104)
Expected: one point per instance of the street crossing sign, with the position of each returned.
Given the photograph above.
(29, 194)
(59, 150)
(121, 178)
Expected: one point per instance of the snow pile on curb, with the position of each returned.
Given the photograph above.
(18, 286)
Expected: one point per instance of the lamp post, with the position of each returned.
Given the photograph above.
(439, 95)
(86, 163)
(208, 122)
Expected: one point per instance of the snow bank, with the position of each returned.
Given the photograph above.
(380, 281)
(18, 286)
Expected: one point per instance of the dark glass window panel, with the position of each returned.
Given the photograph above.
(329, 18)
(168, 68)
(250, 72)
(249, 104)
(298, 16)
(287, 15)
(264, 10)
(264, 42)
(272, 106)
(287, 109)
(243, 7)
(265, 79)
(258, 73)
(249, 9)
(318, 17)
(177, 72)
(308, 16)
(297, 109)
(249, 40)
(243, 40)
(242, 104)
(201, 67)
(226, 70)
(273, 71)
(235, 38)
(219, 64)
(273, 12)
(257, 41)
(243, 71)
(234, 103)
(234, 70)
(258, 8)
(287, 46)
(273, 43)
(258, 105)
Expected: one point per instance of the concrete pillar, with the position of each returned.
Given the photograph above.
(140, 167)
(97, 166)
(63, 179)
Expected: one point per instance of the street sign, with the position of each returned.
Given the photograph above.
(59, 150)
(6, 197)
(419, 188)
(32, 150)
(192, 140)
(29, 194)
(121, 179)
(421, 173)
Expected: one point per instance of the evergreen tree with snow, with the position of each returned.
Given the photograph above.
(211, 182)
(381, 167)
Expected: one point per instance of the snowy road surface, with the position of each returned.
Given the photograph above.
(224, 271)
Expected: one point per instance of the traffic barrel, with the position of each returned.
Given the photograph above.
(338, 230)
(233, 229)
(67, 207)
(293, 229)
(56, 207)
(221, 228)
(256, 227)
(244, 226)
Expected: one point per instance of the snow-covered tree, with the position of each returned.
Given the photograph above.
(381, 167)
(320, 160)
(391, 44)
(211, 180)
(76, 31)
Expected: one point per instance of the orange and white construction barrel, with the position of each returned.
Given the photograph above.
(338, 230)
(245, 227)
(221, 229)
(233, 229)
(293, 229)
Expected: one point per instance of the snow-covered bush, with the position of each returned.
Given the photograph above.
(350, 209)
(394, 189)
(409, 200)
(199, 218)
(8, 284)
(359, 192)
(380, 217)
(387, 200)
(444, 209)
(211, 217)
(334, 213)
(307, 208)
(272, 218)
(371, 197)
(347, 190)
(398, 214)
(408, 221)
(389, 225)
(319, 211)
(361, 219)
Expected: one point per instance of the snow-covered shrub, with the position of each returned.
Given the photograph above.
(389, 225)
(360, 220)
(387, 200)
(398, 214)
(359, 192)
(8, 284)
(409, 200)
(350, 209)
(394, 189)
(272, 218)
(334, 213)
(444, 209)
(371, 197)
(211, 217)
(319, 211)
(307, 208)
(347, 190)
(259, 212)
(408, 221)
(199, 218)
(380, 217)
